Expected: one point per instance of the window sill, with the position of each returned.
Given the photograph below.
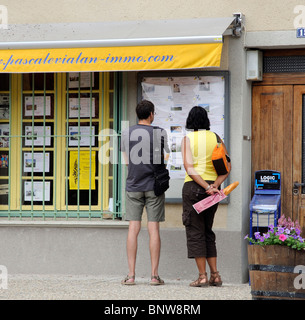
(64, 224)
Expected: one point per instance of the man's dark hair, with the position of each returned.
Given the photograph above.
(197, 119)
(144, 109)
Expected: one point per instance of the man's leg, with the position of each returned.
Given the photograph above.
(154, 246)
(132, 246)
(134, 210)
(155, 215)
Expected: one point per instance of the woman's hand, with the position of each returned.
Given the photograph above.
(212, 190)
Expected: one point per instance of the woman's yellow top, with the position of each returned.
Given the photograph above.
(202, 144)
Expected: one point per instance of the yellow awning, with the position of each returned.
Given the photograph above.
(168, 47)
(111, 59)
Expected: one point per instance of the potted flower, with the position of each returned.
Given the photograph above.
(287, 233)
(275, 260)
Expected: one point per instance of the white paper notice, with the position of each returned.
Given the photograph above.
(36, 162)
(173, 98)
(81, 135)
(36, 193)
(81, 79)
(37, 106)
(4, 135)
(37, 135)
(81, 107)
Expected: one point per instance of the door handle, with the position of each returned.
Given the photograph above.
(296, 186)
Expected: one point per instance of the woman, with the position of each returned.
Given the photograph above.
(200, 182)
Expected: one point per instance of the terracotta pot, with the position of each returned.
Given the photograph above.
(273, 272)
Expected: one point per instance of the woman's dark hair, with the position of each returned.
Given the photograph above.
(197, 119)
(144, 109)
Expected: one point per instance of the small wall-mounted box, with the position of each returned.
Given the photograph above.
(254, 65)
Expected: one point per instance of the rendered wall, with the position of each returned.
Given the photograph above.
(47, 248)
(260, 14)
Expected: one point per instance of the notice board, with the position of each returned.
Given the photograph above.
(174, 94)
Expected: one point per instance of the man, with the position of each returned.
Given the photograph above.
(142, 150)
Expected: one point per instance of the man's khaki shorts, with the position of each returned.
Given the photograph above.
(135, 202)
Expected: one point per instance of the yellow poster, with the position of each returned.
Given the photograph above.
(81, 170)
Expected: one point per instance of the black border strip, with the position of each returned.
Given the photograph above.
(260, 294)
(271, 268)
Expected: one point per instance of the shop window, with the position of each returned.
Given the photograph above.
(52, 127)
(83, 124)
(4, 138)
(38, 148)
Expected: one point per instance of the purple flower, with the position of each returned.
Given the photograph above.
(257, 235)
(300, 239)
(280, 230)
(287, 231)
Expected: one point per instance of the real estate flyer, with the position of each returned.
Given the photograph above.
(80, 170)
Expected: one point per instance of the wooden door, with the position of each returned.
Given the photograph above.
(299, 155)
(272, 148)
(277, 113)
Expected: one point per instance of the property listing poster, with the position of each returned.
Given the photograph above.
(173, 98)
(34, 190)
(36, 162)
(81, 170)
(37, 106)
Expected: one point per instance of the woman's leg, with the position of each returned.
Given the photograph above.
(215, 279)
(202, 280)
(201, 264)
(212, 262)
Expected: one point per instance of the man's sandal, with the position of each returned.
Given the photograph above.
(129, 280)
(215, 279)
(156, 281)
(199, 282)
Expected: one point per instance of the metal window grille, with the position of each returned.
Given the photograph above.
(52, 138)
(276, 64)
(5, 129)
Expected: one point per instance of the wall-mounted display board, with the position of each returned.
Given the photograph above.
(174, 94)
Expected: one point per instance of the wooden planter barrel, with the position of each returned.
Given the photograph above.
(272, 274)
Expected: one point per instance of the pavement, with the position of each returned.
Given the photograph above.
(83, 287)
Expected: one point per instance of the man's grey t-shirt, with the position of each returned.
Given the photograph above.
(144, 146)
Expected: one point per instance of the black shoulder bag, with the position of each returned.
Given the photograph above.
(161, 174)
(161, 180)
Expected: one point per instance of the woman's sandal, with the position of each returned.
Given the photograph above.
(198, 282)
(129, 280)
(215, 279)
(156, 281)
